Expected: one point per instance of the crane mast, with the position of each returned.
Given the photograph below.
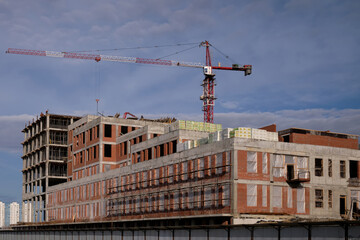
(208, 84)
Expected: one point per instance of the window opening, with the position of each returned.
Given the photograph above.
(125, 148)
(264, 195)
(300, 201)
(353, 169)
(278, 169)
(277, 194)
(286, 138)
(264, 163)
(107, 152)
(330, 167)
(149, 153)
(251, 195)
(161, 150)
(342, 205)
(290, 172)
(318, 198)
(318, 167)
(330, 197)
(124, 130)
(107, 130)
(342, 169)
(251, 162)
(174, 146)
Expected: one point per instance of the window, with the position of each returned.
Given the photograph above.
(300, 201)
(264, 163)
(174, 146)
(107, 152)
(149, 152)
(264, 195)
(207, 197)
(318, 167)
(83, 137)
(353, 169)
(251, 162)
(94, 152)
(330, 167)
(138, 157)
(107, 130)
(162, 153)
(277, 196)
(319, 198)
(342, 169)
(124, 130)
(278, 169)
(289, 198)
(330, 197)
(226, 195)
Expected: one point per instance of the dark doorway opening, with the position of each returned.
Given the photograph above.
(342, 204)
(290, 172)
(353, 169)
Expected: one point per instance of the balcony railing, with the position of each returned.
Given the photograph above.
(300, 176)
(354, 182)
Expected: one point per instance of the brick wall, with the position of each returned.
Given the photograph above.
(324, 140)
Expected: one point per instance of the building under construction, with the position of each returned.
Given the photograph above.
(44, 161)
(188, 172)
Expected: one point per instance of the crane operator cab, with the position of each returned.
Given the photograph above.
(208, 70)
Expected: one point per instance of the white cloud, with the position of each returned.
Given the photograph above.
(229, 104)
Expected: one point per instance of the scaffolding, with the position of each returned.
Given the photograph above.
(172, 193)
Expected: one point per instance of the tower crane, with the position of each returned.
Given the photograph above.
(208, 96)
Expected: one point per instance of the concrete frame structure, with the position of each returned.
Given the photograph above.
(44, 161)
(143, 176)
(14, 213)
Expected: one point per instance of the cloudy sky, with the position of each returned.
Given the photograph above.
(305, 56)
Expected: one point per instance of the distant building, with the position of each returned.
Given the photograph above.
(26, 212)
(2, 214)
(14, 213)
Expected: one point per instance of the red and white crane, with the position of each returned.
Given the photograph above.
(208, 96)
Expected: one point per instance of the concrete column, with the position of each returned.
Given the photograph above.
(166, 147)
(47, 174)
(234, 177)
(32, 212)
(101, 147)
(153, 152)
(271, 161)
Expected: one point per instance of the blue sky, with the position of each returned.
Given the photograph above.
(305, 56)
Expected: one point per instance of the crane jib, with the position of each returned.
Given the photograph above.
(98, 57)
(153, 61)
